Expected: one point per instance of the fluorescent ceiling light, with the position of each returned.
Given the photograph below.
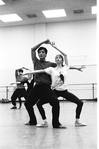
(1, 2)
(54, 13)
(94, 10)
(10, 18)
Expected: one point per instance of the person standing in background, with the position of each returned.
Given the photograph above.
(20, 90)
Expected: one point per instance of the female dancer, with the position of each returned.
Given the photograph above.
(59, 85)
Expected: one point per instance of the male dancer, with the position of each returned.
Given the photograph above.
(42, 89)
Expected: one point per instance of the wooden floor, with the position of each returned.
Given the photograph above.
(15, 135)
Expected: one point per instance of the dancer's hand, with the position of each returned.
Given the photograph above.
(15, 83)
(47, 41)
(25, 68)
(53, 44)
(11, 83)
(82, 67)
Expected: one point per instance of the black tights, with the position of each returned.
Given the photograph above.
(18, 93)
(69, 97)
(46, 95)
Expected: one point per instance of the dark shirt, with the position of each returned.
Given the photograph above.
(30, 85)
(42, 78)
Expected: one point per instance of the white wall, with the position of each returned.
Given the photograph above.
(15, 45)
(77, 39)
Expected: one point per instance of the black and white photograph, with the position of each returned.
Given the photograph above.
(48, 74)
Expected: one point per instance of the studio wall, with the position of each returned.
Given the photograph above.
(77, 39)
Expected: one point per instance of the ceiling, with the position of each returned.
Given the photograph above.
(31, 10)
